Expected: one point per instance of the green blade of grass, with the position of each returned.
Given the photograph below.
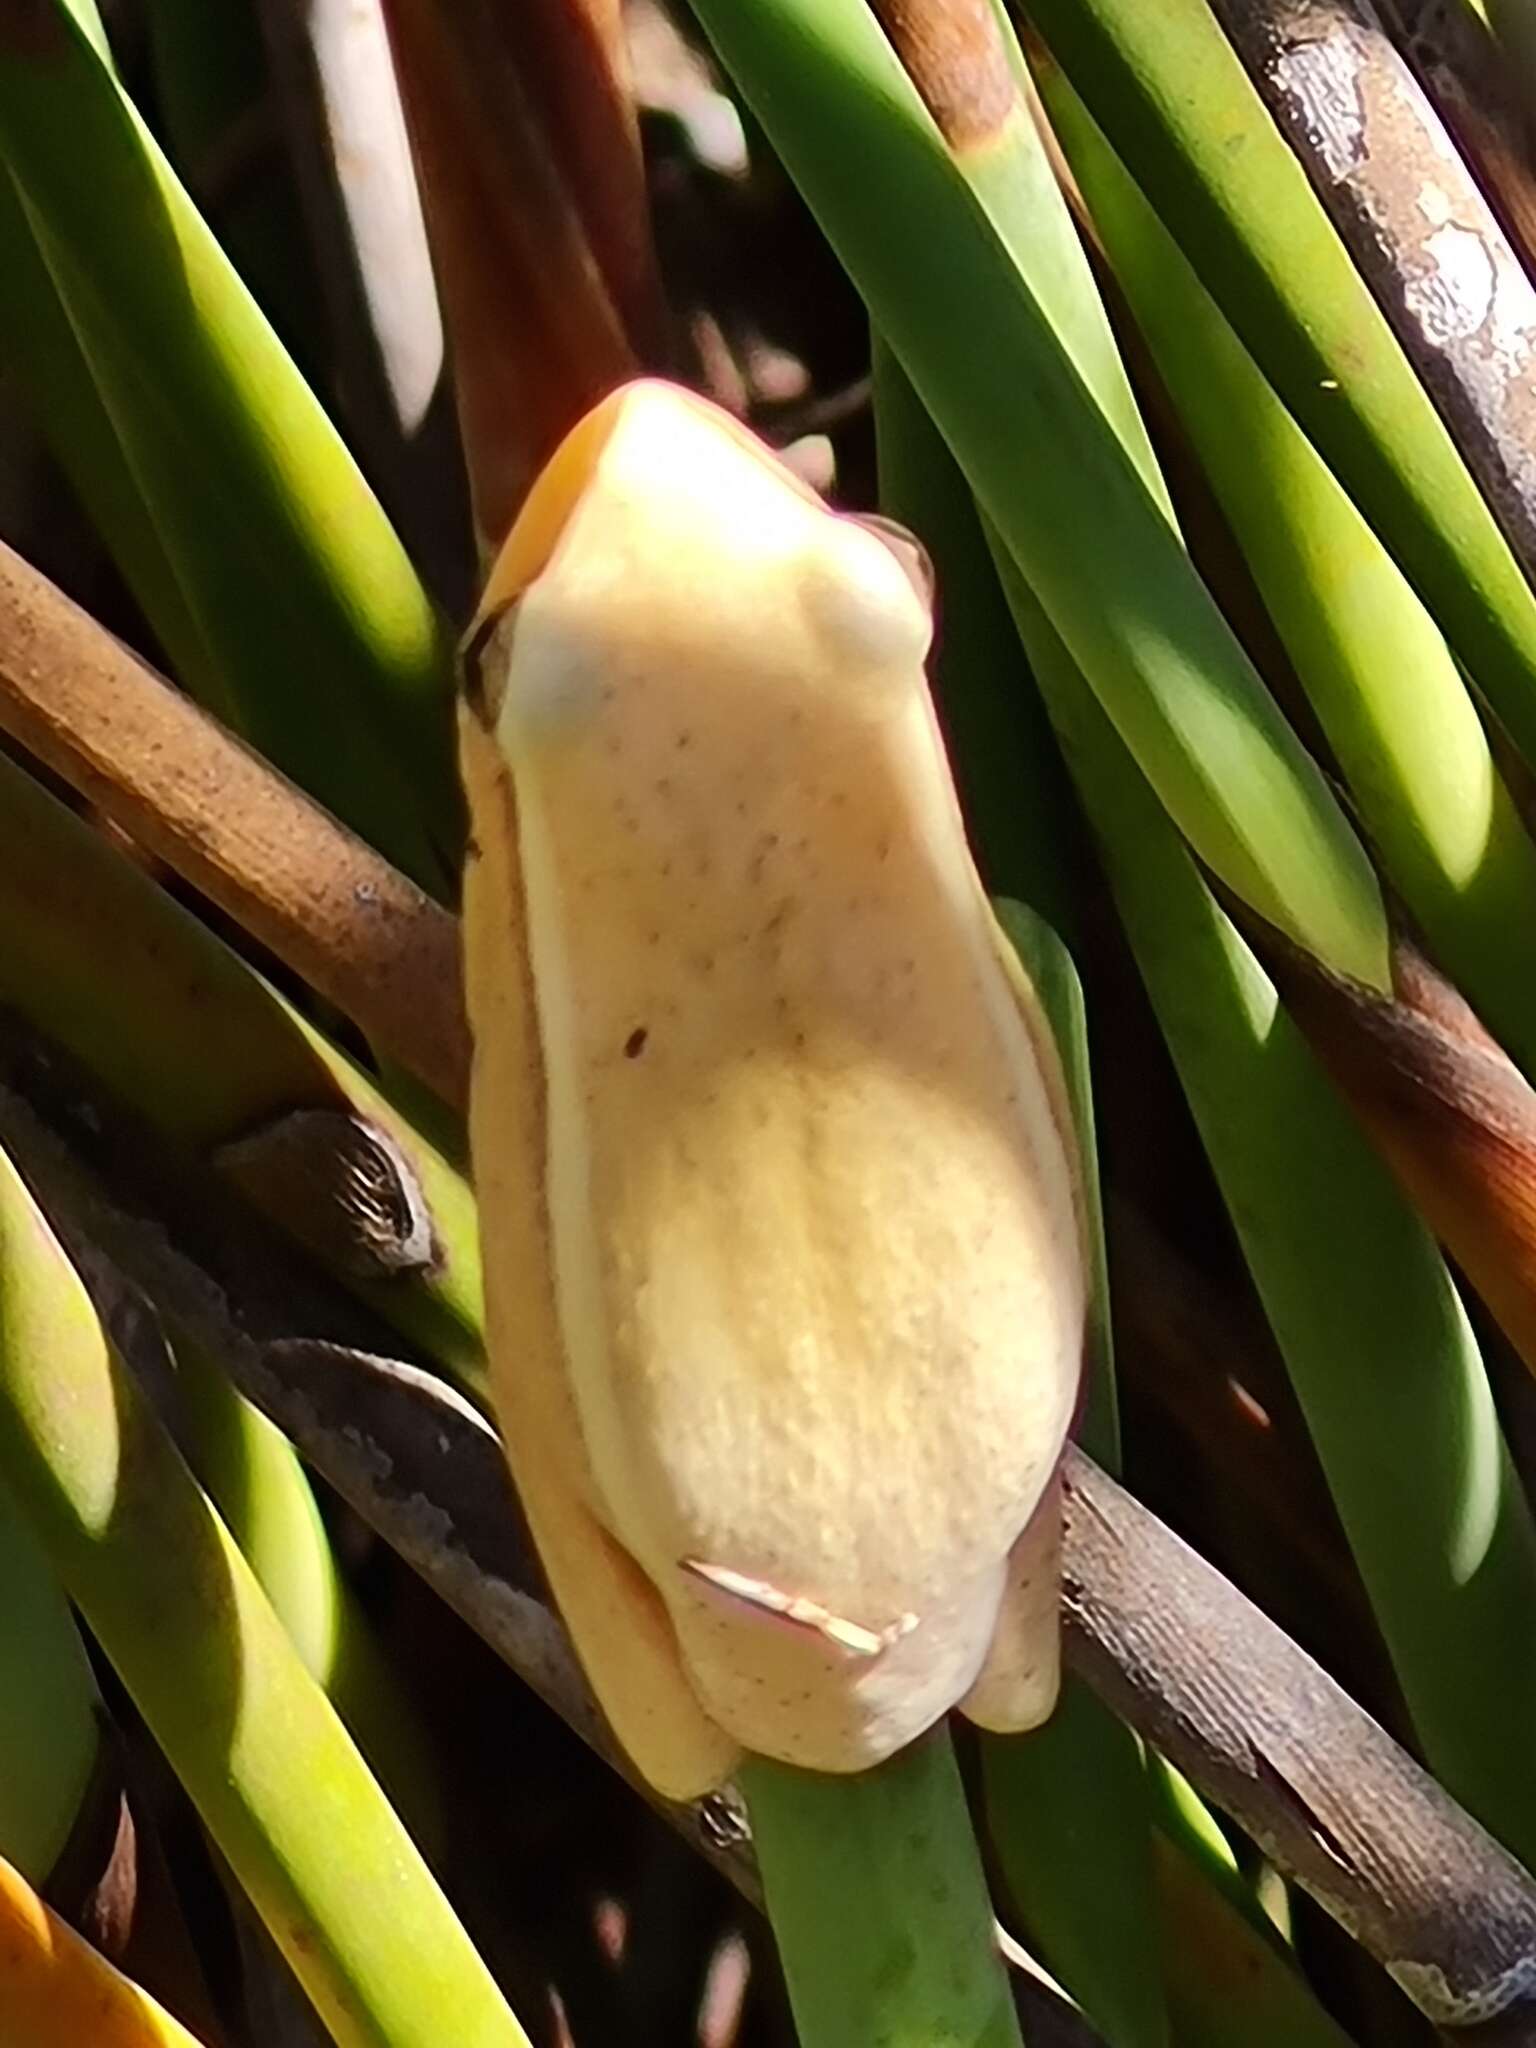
(98, 958)
(1070, 1824)
(1407, 1434)
(1002, 747)
(1045, 462)
(1169, 92)
(324, 640)
(49, 1736)
(1373, 662)
(1013, 177)
(251, 1474)
(1184, 1818)
(1066, 1806)
(211, 79)
(1054, 977)
(38, 345)
(1513, 23)
(282, 1790)
(254, 1478)
(1376, 1341)
(1017, 805)
(1228, 1984)
(875, 1891)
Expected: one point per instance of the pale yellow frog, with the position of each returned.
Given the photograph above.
(777, 1181)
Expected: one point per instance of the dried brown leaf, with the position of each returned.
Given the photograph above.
(268, 855)
(528, 154)
(1446, 1107)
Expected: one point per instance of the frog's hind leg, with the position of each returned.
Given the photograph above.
(1017, 1684)
(626, 1643)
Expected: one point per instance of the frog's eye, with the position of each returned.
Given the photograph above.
(528, 548)
(908, 550)
(477, 688)
(862, 597)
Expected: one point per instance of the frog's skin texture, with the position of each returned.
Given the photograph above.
(779, 1203)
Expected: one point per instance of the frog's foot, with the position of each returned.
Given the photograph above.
(1017, 1685)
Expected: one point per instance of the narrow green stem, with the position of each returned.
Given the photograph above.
(1377, 669)
(49, 1732)
(1377, 1343)
(174, 1023)
(998, 370)
(278, 1782)
(296, 585)
(876, 1894)
(1171, 95)
(1067, 1805)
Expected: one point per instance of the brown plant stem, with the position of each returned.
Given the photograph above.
(1172, 1646)
(1444, 1105)
(319, 898)
(528, 155)
(1415, 222)
(1266, 1734)
(1468, 77)
(953, 52)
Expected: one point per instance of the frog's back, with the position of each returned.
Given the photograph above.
(809, 1195)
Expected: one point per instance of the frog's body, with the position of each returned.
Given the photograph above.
(781, 1242)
